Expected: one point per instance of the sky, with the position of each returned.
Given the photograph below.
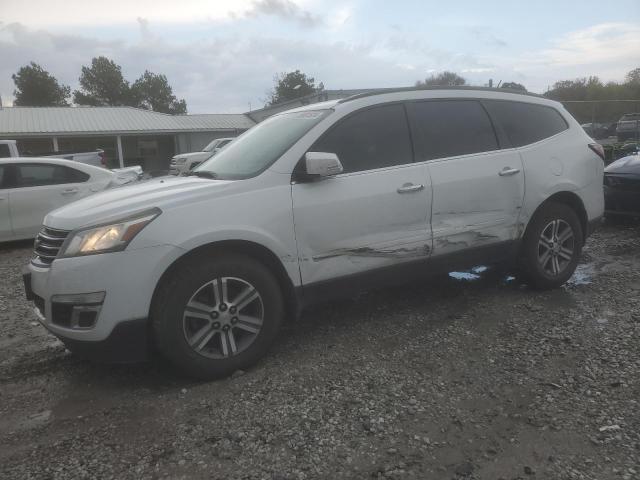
(221, 56)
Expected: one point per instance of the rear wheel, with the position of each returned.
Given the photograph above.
(217, 315)
(552, 246)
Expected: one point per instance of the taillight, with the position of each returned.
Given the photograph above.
(103, 159)
(598, 149)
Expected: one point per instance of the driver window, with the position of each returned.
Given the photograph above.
(373, 138)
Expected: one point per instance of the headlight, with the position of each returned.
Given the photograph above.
(110, 237)
(181, 160)
(611, 181)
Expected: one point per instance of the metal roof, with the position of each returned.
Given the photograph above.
(32, 121)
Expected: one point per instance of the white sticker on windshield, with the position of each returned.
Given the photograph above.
(310, 115)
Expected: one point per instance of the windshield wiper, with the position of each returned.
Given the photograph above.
(203, 174)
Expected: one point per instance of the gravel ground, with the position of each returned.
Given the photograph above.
(446, 379)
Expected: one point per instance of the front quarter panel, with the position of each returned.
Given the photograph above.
(257, 210)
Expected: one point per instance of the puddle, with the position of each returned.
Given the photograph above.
(476, 274)
(583, 275)
(468, 276)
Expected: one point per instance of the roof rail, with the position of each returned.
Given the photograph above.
(381, 91)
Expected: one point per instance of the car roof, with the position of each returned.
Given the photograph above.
(413, 93)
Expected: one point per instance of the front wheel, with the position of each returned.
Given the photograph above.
(217, 315)
(552, 246)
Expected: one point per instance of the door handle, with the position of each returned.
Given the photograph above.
(409, 188)
(69, 191)
(508, 171)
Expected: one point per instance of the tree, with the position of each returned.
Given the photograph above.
(103, 84)
(289, 86)
(153, 92)
(35, 87)
(633, 77)
(587, 98)
(443, 79)
(514, 86)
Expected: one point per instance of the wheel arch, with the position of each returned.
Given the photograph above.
(573, 201)
(252, 249)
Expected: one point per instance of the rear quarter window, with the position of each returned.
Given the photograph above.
(4, 150)
(526, 123)
(40, 174)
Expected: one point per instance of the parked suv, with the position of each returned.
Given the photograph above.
(313, 203)
(628, 127)
(185, 162)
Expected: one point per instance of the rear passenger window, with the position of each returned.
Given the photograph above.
(37, 174)
(2, 176)
(447, 128)
(373, 138)
(526, 123)
(4, 150)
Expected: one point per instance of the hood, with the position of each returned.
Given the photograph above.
(192, 154)
(115, 203)
(625, 166)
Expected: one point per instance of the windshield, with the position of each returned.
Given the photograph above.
(211, 146)
(255, 150)
(630, 116)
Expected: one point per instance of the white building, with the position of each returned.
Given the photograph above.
(129, 136)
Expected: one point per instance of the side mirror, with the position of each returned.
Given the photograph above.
(322, 164)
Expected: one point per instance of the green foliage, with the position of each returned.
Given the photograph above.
(601, 108)
(633, 77)
(153, 92)
(443, 79)
(103, 84)
(35, 87)
(289, 86)
(514, 86)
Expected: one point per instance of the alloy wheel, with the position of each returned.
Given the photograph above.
(556, 247)
(223, 317)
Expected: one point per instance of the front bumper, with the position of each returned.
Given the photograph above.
(117, 329)
(621, 202)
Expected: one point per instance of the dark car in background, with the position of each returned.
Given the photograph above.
(622, 187)
(599, 130)
(628, 127)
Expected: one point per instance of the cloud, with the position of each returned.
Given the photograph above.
(223, 69)
(217, 75)
(607, 50)
(284, 9)
(45, 13)
(603, 43)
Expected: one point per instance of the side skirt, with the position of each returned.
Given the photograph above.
(350, 285)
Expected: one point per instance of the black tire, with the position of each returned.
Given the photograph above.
(171, 300)
(534, 272)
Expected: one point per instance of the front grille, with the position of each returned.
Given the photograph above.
(47, 246)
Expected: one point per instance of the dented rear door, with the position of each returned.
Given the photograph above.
(478, 188)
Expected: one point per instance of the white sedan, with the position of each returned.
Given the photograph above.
(32, 187)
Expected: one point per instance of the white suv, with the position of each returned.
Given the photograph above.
(185, 162)
(312, 203)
